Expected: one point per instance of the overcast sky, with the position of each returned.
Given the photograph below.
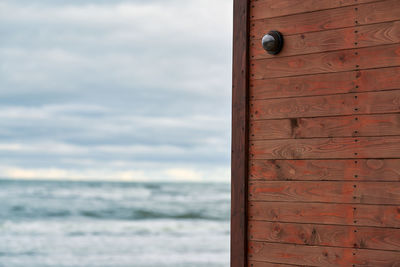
(116, 89)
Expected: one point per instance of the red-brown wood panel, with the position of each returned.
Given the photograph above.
(325, 235)
(321, 256)
(339, 126)
(337, 61)
(328, 148)
(325, 84)
(326, 213)
(261, 9)
(239, 148)
(327, 191)
(325, 170)
(344, 17)
(323, 124)
(314, 42)
(315, 106)
(268, 264)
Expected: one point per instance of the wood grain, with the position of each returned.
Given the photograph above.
(325, 235)
(326, 213)
(332, 105)
(341, 126)
(348, 38)
(324, 134)
(262, 9)
(321, 256)
(328, 148)
(387, 193)
(267, 264)
(349, 16)
(325, 170)
(325, 84)
(327, 62)
(239, 150)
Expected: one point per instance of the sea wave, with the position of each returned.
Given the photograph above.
(116, 202)
(48, 223)
(114, 214)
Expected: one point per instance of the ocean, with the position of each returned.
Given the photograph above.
(46, 223)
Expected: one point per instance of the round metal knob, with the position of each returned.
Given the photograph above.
(273, 42)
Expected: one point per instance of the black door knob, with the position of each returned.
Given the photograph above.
(273, 42)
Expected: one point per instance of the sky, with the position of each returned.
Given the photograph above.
(124, 90)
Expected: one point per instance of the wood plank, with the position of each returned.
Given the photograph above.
(328, 19)
(271, 129)
(326, 235)
(343, 126)
(378, 12)
(327, 62)
(376, 258)
(332, 105)
(321, 256)
(378, 34)
(262, 9)
(325, 170)
(326, 213)
(348, 38)
(325, 84)
(239, 150)
(327, 148)
(267, 264)
(387, 193)
(299, 255)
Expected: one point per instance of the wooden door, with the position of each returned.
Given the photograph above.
(316, 134)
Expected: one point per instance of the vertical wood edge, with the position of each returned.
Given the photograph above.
(239, 152)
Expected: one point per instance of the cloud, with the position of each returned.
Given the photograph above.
(62, 174)
(184, 175)
(132, 42)
(124, 87)
(173, 174)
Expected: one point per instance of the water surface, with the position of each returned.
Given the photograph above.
(113, 224)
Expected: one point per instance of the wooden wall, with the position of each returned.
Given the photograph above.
(324, 134)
